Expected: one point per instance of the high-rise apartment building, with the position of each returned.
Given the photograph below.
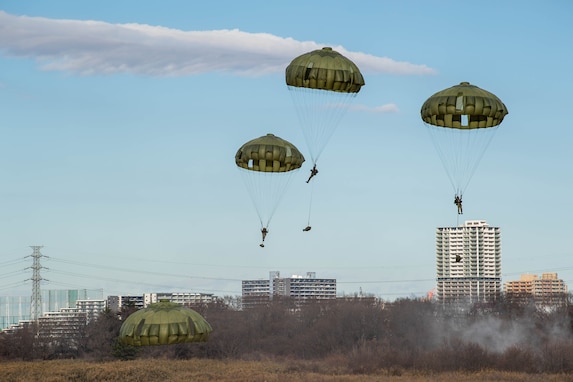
(468, 262)
(297, 287)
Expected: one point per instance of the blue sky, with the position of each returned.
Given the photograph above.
(120, 122)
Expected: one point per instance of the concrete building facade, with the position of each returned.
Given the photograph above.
(118, 303)
(300, 288)
(468, 262)
(92, 308)
(549, 290)
(183, 298)
(67, 326)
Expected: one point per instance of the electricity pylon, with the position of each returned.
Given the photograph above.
(36, 303)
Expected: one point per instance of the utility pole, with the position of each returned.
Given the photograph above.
(36, 303)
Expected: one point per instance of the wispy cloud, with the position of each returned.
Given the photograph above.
(387, 108)
(96, 48)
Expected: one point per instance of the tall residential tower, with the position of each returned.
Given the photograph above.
(468, 262)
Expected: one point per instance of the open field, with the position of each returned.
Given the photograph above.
(150, 370)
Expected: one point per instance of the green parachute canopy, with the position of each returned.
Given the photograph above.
(462, 120)
(324, 69)
(323, 84)
(164, 323)
(463, 106)
(269, 153)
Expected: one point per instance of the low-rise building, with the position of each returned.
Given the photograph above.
(183, 298)
(119, 303)
(66, 326)
(549, 290)
(92, 308)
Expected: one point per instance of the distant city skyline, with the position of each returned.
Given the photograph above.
(546, 290)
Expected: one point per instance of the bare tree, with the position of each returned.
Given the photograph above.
(101, 335)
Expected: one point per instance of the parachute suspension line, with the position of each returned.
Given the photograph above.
(254, 192)
(266, 191)
(460, 151)
(308, 226)
(310, 204)
(277, 189)
(335, 110)
(442, 153)
(482, 143)
(319, 113)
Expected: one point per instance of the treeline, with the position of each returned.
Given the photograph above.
(358, 335)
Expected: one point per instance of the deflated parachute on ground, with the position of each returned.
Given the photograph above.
(322, 84)
(266, 165)
(462, 120)
(164, 323)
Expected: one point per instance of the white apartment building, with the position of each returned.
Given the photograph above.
(117, 303)
(255, 292)
(301, 288)
(468, 262)
(65, 326)
(152, 298)
(92, 308)
(183, 298)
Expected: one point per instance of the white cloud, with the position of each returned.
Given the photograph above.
(387, 108)
(95, 48)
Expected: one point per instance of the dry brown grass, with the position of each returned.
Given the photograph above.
(149, 370)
